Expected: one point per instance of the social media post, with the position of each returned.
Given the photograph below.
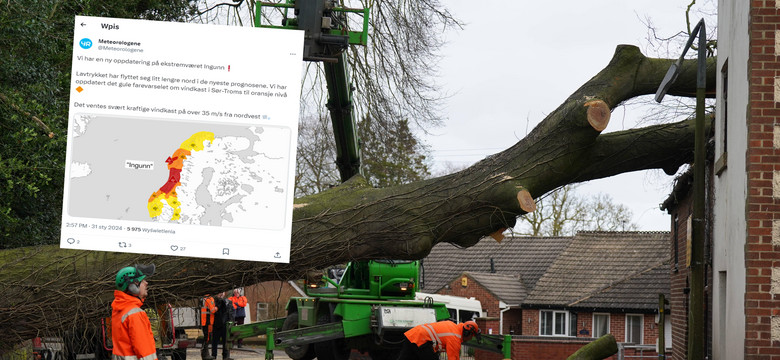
(182, 139)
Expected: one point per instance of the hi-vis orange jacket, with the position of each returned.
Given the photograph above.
(131, 332)
(207, 311)
(445, 336)
(238, 301)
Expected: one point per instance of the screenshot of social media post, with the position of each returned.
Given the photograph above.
(182, 139)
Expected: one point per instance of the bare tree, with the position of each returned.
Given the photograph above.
(563, 212)
(315, 167)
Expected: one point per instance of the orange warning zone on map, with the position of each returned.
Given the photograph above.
(167, 192)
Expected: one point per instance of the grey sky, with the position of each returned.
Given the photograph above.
(516, 61)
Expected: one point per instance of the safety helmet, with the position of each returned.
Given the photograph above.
(470, 328)
(132, 274)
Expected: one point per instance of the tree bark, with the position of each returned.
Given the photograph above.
(598, 349)
(47, 289)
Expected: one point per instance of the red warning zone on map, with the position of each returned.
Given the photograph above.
(167, 192)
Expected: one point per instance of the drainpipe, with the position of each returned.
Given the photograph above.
(503, 308)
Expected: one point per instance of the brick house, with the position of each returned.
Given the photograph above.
(679, 205)
(565, 291)
(744, 226)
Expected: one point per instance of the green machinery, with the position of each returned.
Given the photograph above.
(326, 38)
(374, 303)
(369, 309)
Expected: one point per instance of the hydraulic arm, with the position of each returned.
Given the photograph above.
(326, 38)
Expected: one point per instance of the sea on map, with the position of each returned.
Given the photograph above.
(143, 169)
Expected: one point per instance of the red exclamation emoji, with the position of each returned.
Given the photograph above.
(228, 68)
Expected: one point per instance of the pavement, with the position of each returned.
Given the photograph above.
(257, 352)
(246, 352)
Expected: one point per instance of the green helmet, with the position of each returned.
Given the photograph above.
(132, 274)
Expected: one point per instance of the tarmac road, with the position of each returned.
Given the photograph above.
(246, 352)
(257, 352)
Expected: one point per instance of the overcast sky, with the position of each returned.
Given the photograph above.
(516, 61)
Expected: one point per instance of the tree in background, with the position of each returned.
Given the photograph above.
(563, 212)
(392, 155)
(315, 166)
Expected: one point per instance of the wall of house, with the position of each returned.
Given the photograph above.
(730, 226)
(273, 293)
(762, 250)
(678, 301)
(617, 326)
(490, 306)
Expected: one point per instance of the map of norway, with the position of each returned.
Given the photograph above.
(175, 172)
(175, 163)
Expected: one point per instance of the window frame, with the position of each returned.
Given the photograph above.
(262, 312)
(566, 321)
(593, 330)
(641, 328)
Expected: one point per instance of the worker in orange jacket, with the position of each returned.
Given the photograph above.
(239, 302)
(207, 310)
(427, 340)
(131, 331)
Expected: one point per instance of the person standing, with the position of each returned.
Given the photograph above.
(225, 313)
(131, 331)
(239, 303)
(207, 311)
(427, 340)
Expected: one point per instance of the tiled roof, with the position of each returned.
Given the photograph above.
(635, 292)
(526, 257)
(606, 270)
(507, 288)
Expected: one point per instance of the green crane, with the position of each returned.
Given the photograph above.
(326, 39)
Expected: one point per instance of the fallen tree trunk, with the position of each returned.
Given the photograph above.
(47, 289)
(598, 349)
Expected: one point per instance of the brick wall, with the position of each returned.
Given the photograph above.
(762, 248)
(678, 302)
(273, 293)
(479, 292)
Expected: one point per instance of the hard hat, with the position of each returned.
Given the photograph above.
(471, 328)
(132, 274)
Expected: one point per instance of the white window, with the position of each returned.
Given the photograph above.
(262, 311)
(634, 326)
(553, 323)
(600, 325)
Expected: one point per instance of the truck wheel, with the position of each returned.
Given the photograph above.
(331, 349)
(297, 352)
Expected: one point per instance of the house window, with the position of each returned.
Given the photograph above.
(553, 323)
(723, 123)
(634, 325)
(262, 311)
(600, 325)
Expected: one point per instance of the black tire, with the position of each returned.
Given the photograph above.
(331, 349)
(297, 352)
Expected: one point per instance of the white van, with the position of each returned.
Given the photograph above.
(461, 309)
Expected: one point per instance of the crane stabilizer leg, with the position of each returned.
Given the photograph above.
(282, 339)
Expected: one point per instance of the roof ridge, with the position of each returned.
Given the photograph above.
(620, 281)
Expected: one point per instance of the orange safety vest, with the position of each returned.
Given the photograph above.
(238, 301)
(131, 331)
(445, 336)
(207, 311)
